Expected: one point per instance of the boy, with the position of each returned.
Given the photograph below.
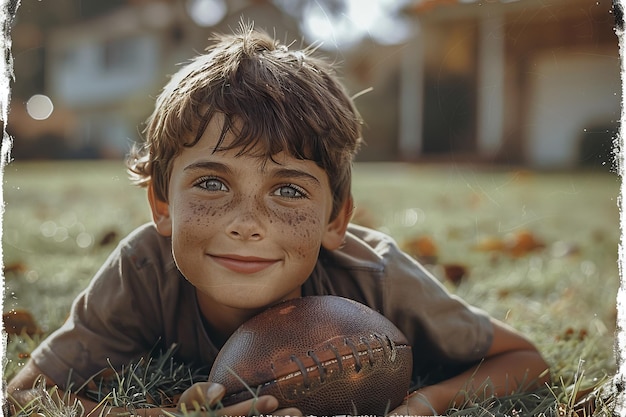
(247, 165)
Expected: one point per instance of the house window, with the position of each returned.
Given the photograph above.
(92, 71)
(119, 54)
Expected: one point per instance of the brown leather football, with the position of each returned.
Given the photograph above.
(324, 355)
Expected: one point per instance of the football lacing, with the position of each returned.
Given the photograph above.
(355, 354)
(319, 365)
(389, 347)
(370, 352)
(303, 371)
(394, 349)
(337, 355)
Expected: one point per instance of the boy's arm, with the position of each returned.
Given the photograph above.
(512, 363)
(21, 391)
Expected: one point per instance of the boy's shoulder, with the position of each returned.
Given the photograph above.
(366, 248)
(144, 245)
(370, 254)
(143, 237)
(146, 230)
(374, 238)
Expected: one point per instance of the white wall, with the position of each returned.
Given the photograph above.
(570, 91)
(81, 74)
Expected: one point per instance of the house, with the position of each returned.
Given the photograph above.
(532, 82)
(528, 81)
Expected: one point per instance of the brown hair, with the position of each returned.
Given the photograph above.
(272, 99)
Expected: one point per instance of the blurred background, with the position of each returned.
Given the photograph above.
(534, 83)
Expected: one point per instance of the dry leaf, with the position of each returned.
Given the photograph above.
(18, 321)
(455, 273)
(523, 242)
(422, 248)
(15, 268)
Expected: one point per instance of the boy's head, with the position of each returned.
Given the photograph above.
(272, 100)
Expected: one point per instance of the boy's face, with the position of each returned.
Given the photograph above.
(246, 232)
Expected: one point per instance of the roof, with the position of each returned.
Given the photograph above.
(451, 8)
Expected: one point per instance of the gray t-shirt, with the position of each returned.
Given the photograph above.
(139, 301)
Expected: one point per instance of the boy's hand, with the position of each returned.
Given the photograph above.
(424, 402)
(208, 395)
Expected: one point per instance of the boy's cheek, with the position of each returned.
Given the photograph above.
(203, 213)
(303, 228)
(304, 219)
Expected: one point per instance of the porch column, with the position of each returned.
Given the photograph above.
(490, 84)
(411, 97)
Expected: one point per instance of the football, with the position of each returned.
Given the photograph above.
(324, 355)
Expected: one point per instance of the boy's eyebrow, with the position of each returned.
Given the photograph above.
(279, 172)
(295, 173)
(208, 165)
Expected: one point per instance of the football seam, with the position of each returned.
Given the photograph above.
(370, 348)
(356, 355)
(279, 380)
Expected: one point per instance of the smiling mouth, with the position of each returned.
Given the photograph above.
(243, 264)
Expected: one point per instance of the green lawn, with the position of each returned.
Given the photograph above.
(62, 220)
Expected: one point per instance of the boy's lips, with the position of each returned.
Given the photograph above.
(243, 264)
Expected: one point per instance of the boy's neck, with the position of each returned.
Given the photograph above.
(221, 322)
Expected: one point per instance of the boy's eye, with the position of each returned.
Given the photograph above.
(212, 184)
(290, 191)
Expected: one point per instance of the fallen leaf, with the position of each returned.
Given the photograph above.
(515, 244)
(422, 248)
(455, 273)
(15, 268)
(19, 321)
(522, 242)
(489, 244)
(108, 238)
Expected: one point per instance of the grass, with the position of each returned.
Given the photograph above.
(62, 220)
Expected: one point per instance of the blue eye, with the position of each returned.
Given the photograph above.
(212, 184)
(290, 191)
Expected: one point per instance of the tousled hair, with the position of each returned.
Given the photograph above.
(272, 99)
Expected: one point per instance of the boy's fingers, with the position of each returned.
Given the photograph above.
(214, 393)
(268, 404)
(265, 404)
(208, 394)
(201, 394)
(287, 412)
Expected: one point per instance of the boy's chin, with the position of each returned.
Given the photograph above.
(256, 301)
(261, 303)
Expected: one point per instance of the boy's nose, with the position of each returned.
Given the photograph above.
(246, 227)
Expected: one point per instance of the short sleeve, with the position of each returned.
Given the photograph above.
(108, 322)
(425, 309)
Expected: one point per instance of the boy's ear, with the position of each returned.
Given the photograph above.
(336, 230)
(160, 213)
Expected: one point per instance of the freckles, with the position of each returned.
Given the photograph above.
(201, 213)
(301, 228)
(296, 218)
